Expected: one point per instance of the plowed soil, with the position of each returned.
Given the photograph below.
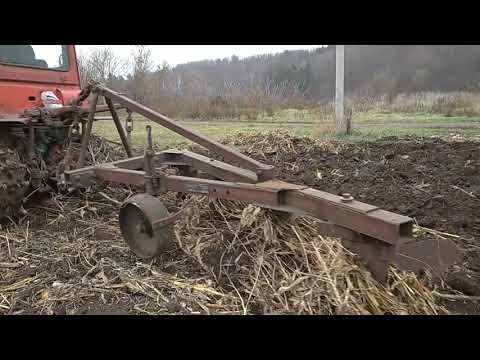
(434, 181)
(67, 255)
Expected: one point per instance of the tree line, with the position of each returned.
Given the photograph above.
(290, 78)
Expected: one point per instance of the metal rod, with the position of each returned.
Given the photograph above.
(149, 138)
(129, 126)
(119, 126)
(217, 168)
(149, 172)
(88, 130)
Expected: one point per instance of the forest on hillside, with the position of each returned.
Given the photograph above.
(287, 78)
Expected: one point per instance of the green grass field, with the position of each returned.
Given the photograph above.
(305, 123)
(378, 117)
(421, 117)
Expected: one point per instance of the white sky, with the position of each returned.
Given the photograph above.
(49, 53)
(179, 54)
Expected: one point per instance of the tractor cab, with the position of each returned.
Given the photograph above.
(36, 76)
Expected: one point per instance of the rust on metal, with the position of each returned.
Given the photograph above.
(346, 198)
(120, 176)
(435, 255)
(217, 168)
(280, 185)
(222, 189)
(377, 254)
(121, 131)
(363, 218)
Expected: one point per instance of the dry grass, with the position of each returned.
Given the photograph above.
(447, 104)
(233, 103)
(273, 144)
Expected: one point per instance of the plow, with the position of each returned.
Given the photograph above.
(381, 238)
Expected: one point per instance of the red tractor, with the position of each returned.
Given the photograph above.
(43, 111)
(35, 82)
(40, 113)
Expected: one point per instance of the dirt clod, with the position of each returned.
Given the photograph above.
(464, 283)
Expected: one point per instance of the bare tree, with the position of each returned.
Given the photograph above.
(159, 78)
(141, 67)
(82, 62)
(101, 64)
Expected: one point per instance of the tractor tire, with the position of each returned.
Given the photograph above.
(13, 181)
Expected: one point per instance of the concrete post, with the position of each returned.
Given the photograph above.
(341, 121)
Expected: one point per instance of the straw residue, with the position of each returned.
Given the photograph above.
(67, 257)
(272, 263)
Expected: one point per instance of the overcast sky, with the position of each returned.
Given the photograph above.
(179, 54)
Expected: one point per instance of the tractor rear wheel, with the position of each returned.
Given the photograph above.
(13, 181)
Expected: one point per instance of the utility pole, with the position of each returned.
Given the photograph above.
(342, 123)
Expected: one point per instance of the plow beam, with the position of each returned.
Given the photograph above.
(380, 237)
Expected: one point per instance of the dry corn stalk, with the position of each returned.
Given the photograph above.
(284, 266)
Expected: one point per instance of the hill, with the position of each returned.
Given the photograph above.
(371, 69)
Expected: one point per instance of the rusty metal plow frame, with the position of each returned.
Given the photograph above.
(380, 237)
